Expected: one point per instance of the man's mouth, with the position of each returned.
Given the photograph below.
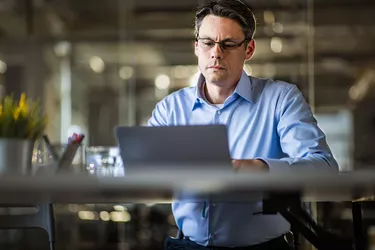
(216, 67)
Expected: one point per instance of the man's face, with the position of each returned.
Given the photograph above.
(222, 66)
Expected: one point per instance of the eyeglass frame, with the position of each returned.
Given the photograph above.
(221, 43)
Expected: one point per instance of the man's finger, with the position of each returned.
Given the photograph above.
(236, 164)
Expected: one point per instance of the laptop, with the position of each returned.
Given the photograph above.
(174, 147)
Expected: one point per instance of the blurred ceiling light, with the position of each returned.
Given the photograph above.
(180, 72)
(104, 216)
(278, 27)
(162, 82)
(120, 216)
(62, 48)
(194, 79)
(97, 64)
(269, 17)
(86, 215)
(360, 89)
(119, 208)
(276, 44)
(354, 93)
(248, 69)
(126, 72)
(3, 67)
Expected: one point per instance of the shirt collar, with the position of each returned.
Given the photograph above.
(199, 96)
(243, 89)
(199, 87)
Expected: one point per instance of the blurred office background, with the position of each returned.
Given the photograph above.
(98, 64)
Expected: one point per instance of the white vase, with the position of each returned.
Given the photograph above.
(16, 156)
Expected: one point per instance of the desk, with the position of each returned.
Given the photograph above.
(163, 186)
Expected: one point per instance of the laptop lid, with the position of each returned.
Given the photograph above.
(200, 146)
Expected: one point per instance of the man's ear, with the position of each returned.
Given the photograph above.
(250, 49)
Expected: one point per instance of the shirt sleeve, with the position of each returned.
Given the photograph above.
(159, 115)
(300, 137)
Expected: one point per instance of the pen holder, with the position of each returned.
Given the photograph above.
(70, 155)
(57, 157)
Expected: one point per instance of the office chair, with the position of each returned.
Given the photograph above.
(43, 218)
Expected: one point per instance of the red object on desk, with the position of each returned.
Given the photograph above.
(75, 138)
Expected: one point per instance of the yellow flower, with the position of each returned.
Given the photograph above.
(25, 110)
(21, 118)
(16, 113)
(22, 100)
(23, 105)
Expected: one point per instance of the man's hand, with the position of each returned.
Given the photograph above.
(250, 165)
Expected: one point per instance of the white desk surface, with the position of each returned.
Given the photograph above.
(161, 187)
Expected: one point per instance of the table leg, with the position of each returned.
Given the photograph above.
(358, 232)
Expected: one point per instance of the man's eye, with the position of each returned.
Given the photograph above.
(208, 43)
(230, 45)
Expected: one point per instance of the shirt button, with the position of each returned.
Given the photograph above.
(214, 204)
(218, 112)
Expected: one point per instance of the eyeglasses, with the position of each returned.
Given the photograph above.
(207, 44)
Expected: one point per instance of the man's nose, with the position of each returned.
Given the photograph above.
(217, 52)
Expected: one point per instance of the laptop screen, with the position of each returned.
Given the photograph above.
(198, 145)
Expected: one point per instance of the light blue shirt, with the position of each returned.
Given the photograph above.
(265, 119)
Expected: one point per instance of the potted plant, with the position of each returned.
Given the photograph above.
(21, 124)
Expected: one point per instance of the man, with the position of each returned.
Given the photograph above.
(270, 128)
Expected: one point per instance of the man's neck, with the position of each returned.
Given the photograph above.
(217, 94)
